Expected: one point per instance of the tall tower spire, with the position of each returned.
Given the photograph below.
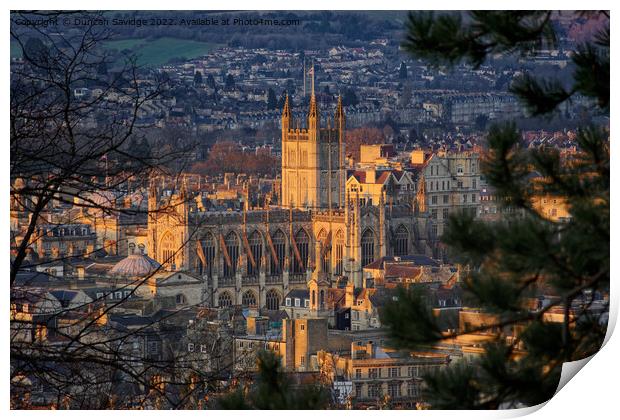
(313, 114)
(312, 72)
(339, 115)
(286, 112)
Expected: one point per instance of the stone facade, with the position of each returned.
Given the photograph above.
(255, 257)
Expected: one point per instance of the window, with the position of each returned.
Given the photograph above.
(248, 298)
(412, 371)
(255, 243)
(368, 247)
(413, 389)
(358, 390)
(473, 198)
(302, 240)
(434, 199)
(445, 199)
(339, 252)
(401, 241)
(297, 302)
(279, 246)
(224, 300)
(374, 390)
(180, 299)
(434, 213)
(326, 252)
(273, 300)
(288, 301)
(208, 252)
(474, 184)
(152, 347)
(232, 247)
(302, 327)
(190, 347)
(168, 248)
(446, 213)
(358, 373)
(372, 373)
(241, 344)
(394, 389)
(394, 372)
(306, 303)
(302, 360)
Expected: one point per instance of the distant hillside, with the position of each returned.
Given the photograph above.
(158, 51)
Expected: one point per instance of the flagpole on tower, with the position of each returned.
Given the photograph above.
(312, 70)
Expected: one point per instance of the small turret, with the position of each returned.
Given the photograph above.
(313, 114)
(286, 115)
(339, 115)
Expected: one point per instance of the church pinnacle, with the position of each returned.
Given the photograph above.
(313, 113)
(286, 112)
(339, 111)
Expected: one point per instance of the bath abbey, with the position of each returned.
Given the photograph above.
(329, 223)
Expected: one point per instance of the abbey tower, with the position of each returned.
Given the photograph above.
(313, 167)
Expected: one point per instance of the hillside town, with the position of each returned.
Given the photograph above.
(319, 185)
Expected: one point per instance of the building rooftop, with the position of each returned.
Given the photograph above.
(135, 265)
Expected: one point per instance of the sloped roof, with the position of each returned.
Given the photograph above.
(402, 271)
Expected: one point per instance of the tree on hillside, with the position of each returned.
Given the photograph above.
(80, 160)
(349, 98)
(211, 81)
(402, 71)
(272, 390)
(513, 261)
(230, 82)
(198, 78)
(272, 101)
(358, 136)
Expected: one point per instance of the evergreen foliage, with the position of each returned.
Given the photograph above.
(272, 390)
(272, 101)
(526, 254)
(402, 71)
